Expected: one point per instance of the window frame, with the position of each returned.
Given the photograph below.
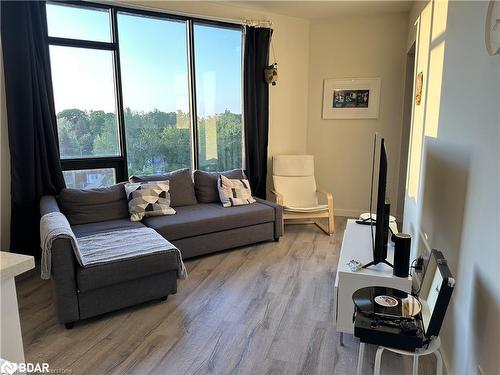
(119, 163)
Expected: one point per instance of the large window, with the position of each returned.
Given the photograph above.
(155, 93)
(84, 96)
(140, 92)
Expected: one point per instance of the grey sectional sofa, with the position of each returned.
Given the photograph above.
(200, 226)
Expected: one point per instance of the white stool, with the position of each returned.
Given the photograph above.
(433, 348)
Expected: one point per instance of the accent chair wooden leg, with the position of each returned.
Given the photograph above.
(331, 224)
(323, 227)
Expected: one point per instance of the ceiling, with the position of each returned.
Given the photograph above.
(327, 9)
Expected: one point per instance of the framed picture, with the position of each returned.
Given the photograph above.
(349, 98)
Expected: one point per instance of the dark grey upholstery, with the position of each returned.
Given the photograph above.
(93, 205)
(64, 266)
(278, 216)
(88, 278)
(228, 239)
(84, 292)
(190, 221)
(180, 183)
(205, 184)
(118, 296)
(196, 230)
(81, 230)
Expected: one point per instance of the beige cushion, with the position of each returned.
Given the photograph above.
(293, 165)
(293, 177)
(318, 208)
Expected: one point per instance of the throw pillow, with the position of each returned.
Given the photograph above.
(148, 199)
(205, 184)
(181, 186)
(234, 192)
(82, 206)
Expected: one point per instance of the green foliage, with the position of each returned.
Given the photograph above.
(156, 141)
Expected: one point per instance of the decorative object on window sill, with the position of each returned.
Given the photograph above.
(492, 28)
(418, 88)
(351, 98)
(271, 72)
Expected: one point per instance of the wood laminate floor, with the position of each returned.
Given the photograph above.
(262, 309)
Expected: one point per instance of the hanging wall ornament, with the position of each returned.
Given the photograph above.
(271, 72)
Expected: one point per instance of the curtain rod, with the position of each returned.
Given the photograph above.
(243, 22)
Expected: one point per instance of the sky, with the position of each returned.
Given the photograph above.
(153, 59)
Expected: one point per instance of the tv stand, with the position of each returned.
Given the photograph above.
(372, 263)
(357, 245)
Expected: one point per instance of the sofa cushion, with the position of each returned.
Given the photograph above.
(181, 186)
(208, 218)
(148, 199)
(93, 205)
(107, 274)
(102, 275)
(87, 229)
(234, 192)
(205, 184)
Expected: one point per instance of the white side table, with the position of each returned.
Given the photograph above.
(357, 245)
(11, 344)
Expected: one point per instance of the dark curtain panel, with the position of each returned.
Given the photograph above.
(34, 158)
(256, 107)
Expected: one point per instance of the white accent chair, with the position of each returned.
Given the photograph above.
(295, 190)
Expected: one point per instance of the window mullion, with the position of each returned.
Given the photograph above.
(192, 92)
(123, 174)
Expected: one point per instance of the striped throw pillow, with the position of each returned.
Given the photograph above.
(148, 199)
(234, 192)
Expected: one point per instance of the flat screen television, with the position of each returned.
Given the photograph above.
(381, 220)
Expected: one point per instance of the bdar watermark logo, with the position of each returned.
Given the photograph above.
(8, 368)
(11, 368)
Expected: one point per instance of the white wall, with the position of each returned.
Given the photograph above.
(372, 46)
(454, 183)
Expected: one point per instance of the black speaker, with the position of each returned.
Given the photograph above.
(402, 245)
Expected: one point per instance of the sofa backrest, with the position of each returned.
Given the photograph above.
(83, 206)
(181, 186)
(205, 184)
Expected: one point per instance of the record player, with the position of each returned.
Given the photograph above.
(393, 318)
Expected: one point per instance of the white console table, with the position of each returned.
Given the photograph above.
(11, 265)
(357, 245)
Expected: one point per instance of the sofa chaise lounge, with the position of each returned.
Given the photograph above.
(200, 226)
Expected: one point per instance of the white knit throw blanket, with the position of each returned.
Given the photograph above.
(102, 247)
